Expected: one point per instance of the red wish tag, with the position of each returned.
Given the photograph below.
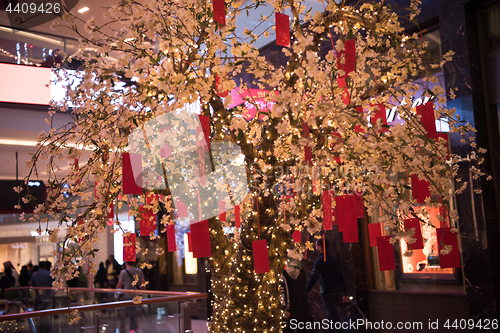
(428, 119)
(350, 236)
(200, 235)
(446, 238)
(129, 247)
(307, 149)
(260, 256)
(360, 206)
(148, 221)
(346, 97)
(218, 87)
(181, 208)
(190, 242)
(237, 217)
(222, 211)
(385, 254)
(327, 210)
(219, 8)
(419, 189)
(375, 230)
(346, 59)
(282, 30)
(111, 213)
(359, 128)
(378, 112)
(171, 238)
(444, 136)
(336, 142)
(414, 224)
(131, 184)
(205, 125)
(346, 213)
(296, 236)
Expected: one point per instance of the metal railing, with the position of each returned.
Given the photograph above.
(39, 310)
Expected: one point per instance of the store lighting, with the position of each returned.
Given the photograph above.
(83, 10)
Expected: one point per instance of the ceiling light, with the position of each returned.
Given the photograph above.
(83, 10)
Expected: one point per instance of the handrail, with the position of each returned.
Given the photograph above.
(111, 291)
(184, 296)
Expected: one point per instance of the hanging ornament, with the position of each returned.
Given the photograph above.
(219, 9)
(327, 210)
(346, 58)
(171, 238)
(129, 247)
(260, 256)
(282, 29)
(200, 239)
(449, 255)
(131, 162)
(375, 231)
(385, 252)
(414, 223)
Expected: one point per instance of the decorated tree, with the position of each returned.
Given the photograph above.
(312, 148)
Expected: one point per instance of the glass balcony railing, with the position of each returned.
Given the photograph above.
(43, 310)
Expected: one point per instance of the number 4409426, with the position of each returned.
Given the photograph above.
(34, 8)
(484, 324)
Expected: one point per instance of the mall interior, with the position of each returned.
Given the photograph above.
(179, 288)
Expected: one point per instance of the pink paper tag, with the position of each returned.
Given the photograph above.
(385, 254)
(171, 238)
(200, 235)
(181, 208)
(414, 223)
(260, 256)
(282, 30)
(222, 211)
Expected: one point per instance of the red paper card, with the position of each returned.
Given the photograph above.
(419, 189)
(190, 242)
(346, 97)
(282, 30)
(260, 256)
(327, 210)
(385, 254)
(172, 246)
(346, 213)
(414, 223)
(359, 128)
(148, 221)
(222, 211)
(307, 149)
(445, 137)
(360, 206)
(205, 125)
(375, 230)
(446, 237)
(200, 235)
(111, 213)
(296, 236)
(237, 217)
(428, 119)
(129, 247)
(130, 183)
(181, 208)
(218, 87)
(219, 8)
(350, 236)
(339, 140)
(349, 55)
(378, 112)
